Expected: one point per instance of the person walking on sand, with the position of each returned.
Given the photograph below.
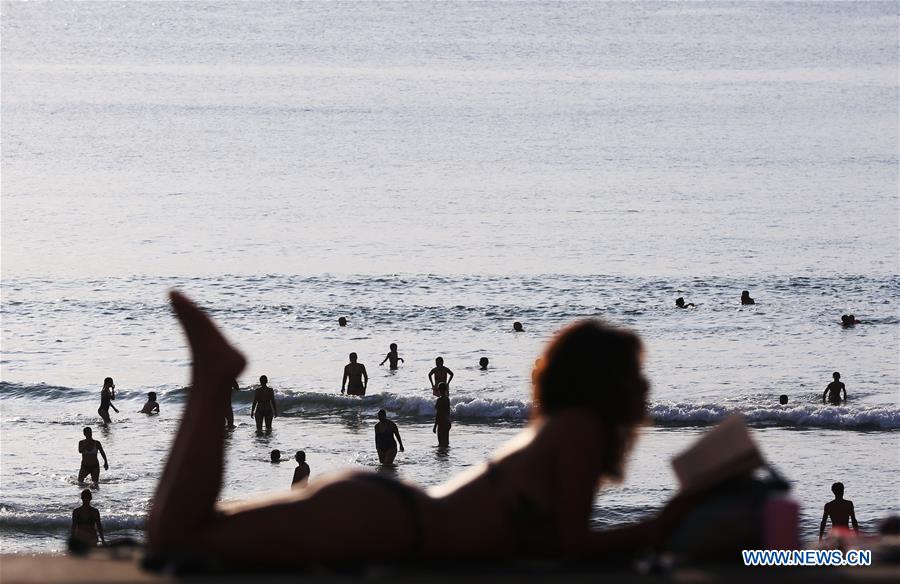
(107, 394)
(356, 374)
(439, 374)
(89, 463)
(263, 408)
(442, 415)
(832, 393)
(841, 512)
(152, 406)
(301, 473)
(393, 357)
(385, 431)
(229, 411)
(86, 526)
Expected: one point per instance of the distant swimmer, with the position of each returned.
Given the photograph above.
(679, 303)
(385, 431)
(355, 380)
(229, 411)
(86, 526)
(517, 327)
(442, 415)
(483, 363)
(841, 512)
(783, 399)
(89, 448)
(107, 394)
(152, 406)
(342, 321)
(275, 456)
(439, 374)
(745, 298)
(301, 473)
(392, 356)
(263, 408)
(849, 320)
(832, 393)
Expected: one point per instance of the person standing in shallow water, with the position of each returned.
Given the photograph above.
(263, 408)
(840, 510)
(107, 394)
(229, 410)
(89, 448)
(442, 415)
(356, 374)
(438, 375)
(832, 393)
(301, 473)
(385, 431)
(393, 357)
(86, 526)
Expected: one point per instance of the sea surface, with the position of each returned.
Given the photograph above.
(435, 172)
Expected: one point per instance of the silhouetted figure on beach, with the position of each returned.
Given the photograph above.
(385, 431)
(483, 363)
(355, 379)
(392, 356)
(783, 399)
(263, 408)
(152, 406)
(832, 393)
(442, 415)
(679, 303)
(107, 394)
(86, 526)
(745, 298)
(301, 473)
(532, 498)
(517, 327)
(229, 410)
(342, 321)
(89, 448)
(275, 456)
(439, 374)
(841, 512)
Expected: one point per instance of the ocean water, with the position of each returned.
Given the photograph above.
(434, 172)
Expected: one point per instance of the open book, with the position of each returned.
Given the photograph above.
(723, 453)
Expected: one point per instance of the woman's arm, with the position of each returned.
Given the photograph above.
(397, 434)
(103, 454)
(99, 526)
(274, 409)
(253, 406)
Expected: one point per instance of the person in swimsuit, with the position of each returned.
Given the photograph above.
(841, 512)
(152, 406)
(107, 394)
(533, 498)
(301, 473)
(89, 463)
(229, 411)
(356, 374)
(86, 526)
(275, 456)
(393, 357)
(385, 431)
(832, 393)
(439, 374)
(442, 415)
(263, 408)
(745, 298)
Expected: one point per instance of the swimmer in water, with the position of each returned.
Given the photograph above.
(263, 408)
(832, 393)
(275, 456)
(679, 303)
(393, 357)
(439, 374)
(442, 415)
(86, 526)
(385, 431)
(342, 321)
(355, 374)
(301, 473)
(745, 298)
(483, 363)
(152, 406)
(229, 411)
(89, 448)
(107, 394)
(840, 510)
(517, 327)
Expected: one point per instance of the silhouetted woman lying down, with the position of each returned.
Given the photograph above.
(534, 497)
